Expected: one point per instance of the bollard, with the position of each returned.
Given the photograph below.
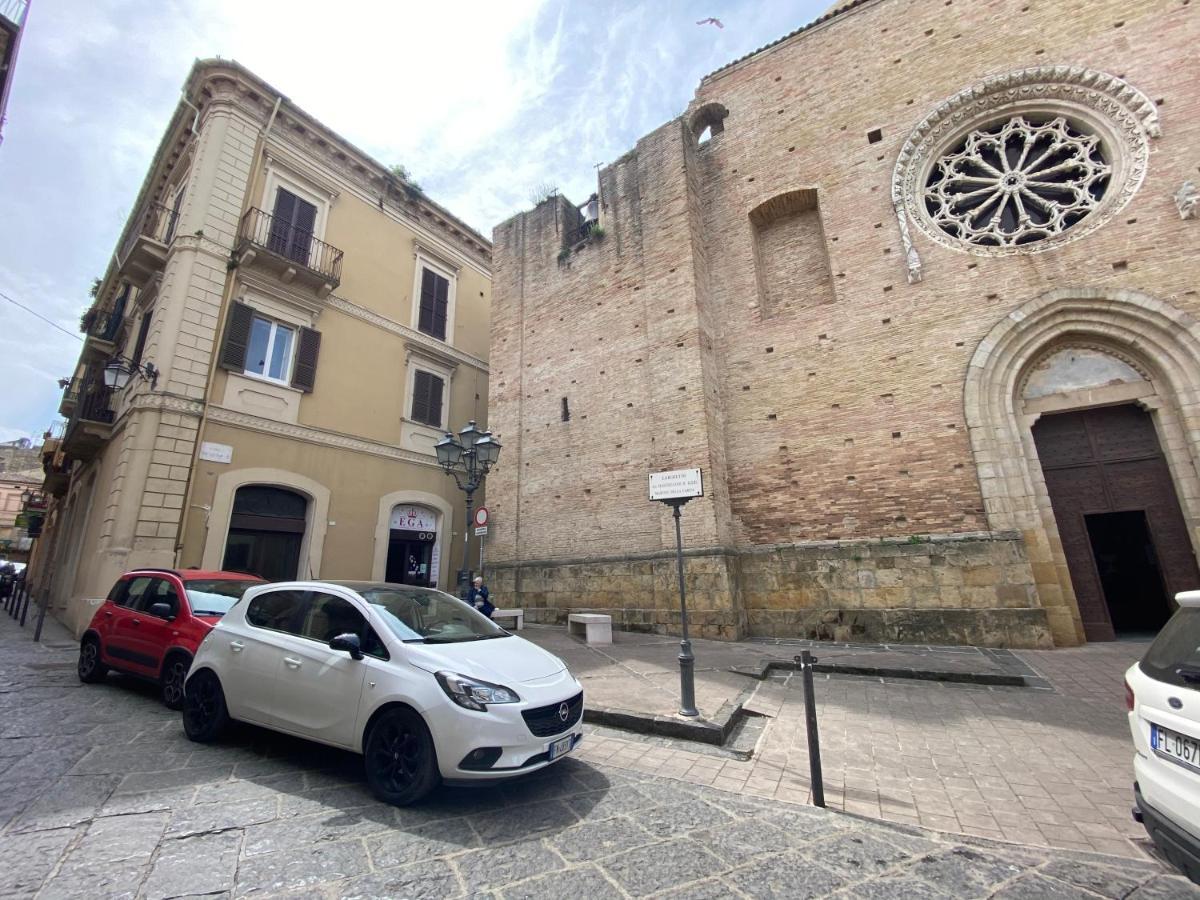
(24, 603)
(805, 661)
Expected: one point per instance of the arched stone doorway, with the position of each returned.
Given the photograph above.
(266, 532)
(1091, 387)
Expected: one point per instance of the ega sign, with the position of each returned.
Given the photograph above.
(679, 484)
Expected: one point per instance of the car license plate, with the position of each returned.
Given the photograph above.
(561, 746)
(1176, 747)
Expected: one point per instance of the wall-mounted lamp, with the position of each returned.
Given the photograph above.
(119, 370)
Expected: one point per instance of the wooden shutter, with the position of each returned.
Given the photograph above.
(440, 302)
(304, 372)
(237, 337)
(435, 401)
(140, 344)
(281, 220)
(428, 301)
(302, 231)
(420, 400)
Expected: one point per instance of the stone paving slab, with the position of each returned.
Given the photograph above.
(286, 818)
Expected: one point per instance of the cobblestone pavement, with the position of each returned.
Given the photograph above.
(102, 795)
(1051, 767)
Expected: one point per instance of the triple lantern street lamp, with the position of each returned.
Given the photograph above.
(469, 458)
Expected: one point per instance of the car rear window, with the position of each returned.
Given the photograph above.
(216, 596)
(1174, 657)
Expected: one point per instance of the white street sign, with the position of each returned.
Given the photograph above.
(218, 453)
(481, 531)
(676, 485)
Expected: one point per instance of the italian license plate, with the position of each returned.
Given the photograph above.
(1176, 747)
(561, 746)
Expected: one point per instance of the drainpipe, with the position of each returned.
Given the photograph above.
(222, 316)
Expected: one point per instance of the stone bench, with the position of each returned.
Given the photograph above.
(518, 614)
(595, 628)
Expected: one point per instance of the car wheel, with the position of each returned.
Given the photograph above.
(174, 673)
(399, 758)
(91, 670)
(204, 712)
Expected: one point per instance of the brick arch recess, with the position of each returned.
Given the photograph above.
(1162, 338)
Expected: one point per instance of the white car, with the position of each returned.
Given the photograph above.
(1162, 693)
(421, 684)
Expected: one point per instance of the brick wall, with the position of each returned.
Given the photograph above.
(828, 407)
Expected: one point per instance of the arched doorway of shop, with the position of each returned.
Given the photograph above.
(413, 547)
(1122, 529)
(266, 532)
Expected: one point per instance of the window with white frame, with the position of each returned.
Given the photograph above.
(433, 297)
(269, 352)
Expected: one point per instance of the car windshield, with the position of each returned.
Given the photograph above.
(424, 615)
(1174, 657)
(216, 596)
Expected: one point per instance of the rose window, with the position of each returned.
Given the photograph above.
(1017, 181)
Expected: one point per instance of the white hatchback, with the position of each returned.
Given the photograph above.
(1162, 693)
(417, 681)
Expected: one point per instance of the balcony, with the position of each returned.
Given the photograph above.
(100, 328)
(90, 425)
(144, 252)
(54, 461)
(291, 254)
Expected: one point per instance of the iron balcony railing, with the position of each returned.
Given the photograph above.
(157, 223)
(92, 399)
(103, 325)
(280, 237)
(14, 11)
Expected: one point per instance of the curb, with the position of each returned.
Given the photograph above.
(986, 678)
(713, 731)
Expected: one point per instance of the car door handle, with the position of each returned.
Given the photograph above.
(137, 622)
(108, 613)
(236, 646)
(292, 662)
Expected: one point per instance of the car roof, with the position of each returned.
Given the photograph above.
(361, 586)
(198, 574)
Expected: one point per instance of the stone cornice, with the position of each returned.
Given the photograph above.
(419, 341)
(333, 439)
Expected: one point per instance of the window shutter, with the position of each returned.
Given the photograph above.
(281, 220)
(435, 401)
(440, 302)
(237, 337)
(140, 344)
(428, 301)
(305, 219)
(304, 372)
(420, 400)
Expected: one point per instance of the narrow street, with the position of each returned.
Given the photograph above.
(102, 795)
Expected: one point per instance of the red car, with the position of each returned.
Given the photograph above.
(152, 622)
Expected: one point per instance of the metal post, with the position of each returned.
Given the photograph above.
(687, 662)
(806, 661)
(466, 563)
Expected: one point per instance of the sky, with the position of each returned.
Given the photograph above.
(481, 102)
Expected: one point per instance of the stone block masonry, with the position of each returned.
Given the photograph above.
(756, 308)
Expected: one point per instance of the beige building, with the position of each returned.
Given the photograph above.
(915, 286)
(14, 540)
(298, 326)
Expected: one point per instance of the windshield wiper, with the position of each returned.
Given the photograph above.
(457, 639)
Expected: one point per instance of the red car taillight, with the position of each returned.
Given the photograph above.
(1128, 697)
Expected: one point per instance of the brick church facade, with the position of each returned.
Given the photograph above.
(916, 287)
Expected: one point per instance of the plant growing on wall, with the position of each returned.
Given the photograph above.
(542, 192)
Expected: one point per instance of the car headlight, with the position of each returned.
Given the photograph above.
(471, 693)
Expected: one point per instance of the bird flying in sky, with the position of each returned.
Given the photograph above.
(711, 21)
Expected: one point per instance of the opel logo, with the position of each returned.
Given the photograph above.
(1175, 702)
(564, 711)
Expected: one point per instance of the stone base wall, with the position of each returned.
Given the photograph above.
(640, 593)
(959, 589)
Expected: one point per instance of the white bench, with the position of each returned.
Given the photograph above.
(518, 614)
(595, 628)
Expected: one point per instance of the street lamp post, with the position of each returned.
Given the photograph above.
(469, 458)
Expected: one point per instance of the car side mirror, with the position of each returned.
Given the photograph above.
(161, 610)
(348, 642)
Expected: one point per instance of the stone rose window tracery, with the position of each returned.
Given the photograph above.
(1022, 162)
(1017, 181)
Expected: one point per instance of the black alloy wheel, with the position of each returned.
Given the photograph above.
(204, 712)
(399, 757)
(91, 670)
(173, 675)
